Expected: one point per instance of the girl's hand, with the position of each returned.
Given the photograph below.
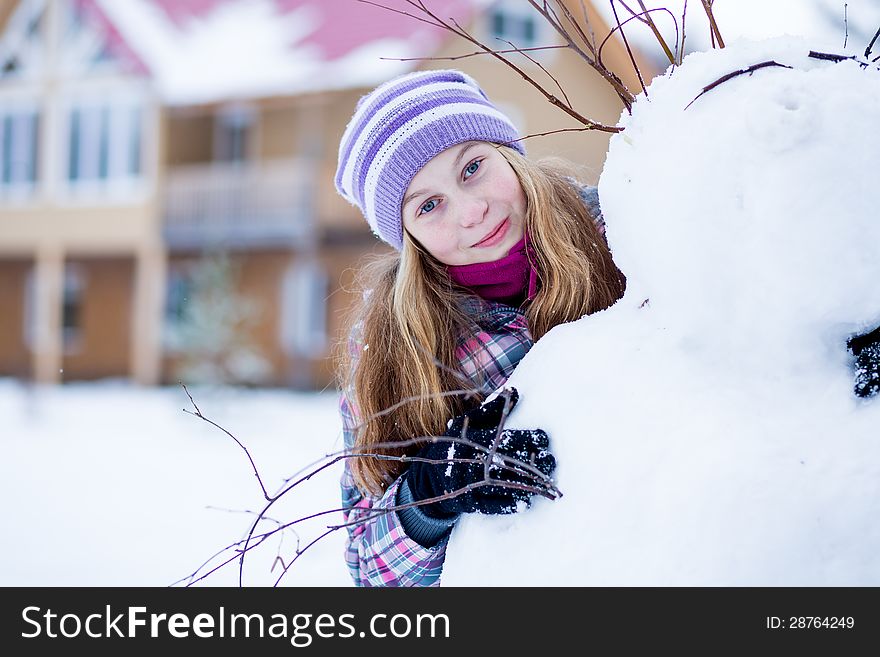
(866, 349)
(453, 466)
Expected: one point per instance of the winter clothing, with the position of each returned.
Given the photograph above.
(454, 466)
(866, 349)
(401, 125)
(407, 548)
(511, 279)
(514, 279)
(380, 552)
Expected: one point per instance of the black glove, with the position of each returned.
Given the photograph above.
(866, 349)
(427, 480)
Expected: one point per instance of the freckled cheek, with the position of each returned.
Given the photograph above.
(438, 241)
(446, 242)
(511, 191)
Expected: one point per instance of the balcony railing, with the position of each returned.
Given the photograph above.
(234, 205)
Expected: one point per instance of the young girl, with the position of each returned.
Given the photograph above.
(492, 250)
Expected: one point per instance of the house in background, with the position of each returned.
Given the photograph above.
(166, 173)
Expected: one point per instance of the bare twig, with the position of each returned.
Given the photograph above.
(399, 11)
(334, 528)
(553, 132)
(198, 414)
(619, 26)
(683, 19)
(467, 393)
(645, 17)
(255, 540)
(589, 41)
(616, 83)
(832, 57)
(716, 33)
(751, 69)
(453, 26)
(592, 40)
(541, 66)
(453, 58)
(538, 484)
(828, 56)
(299, 553)
(496, 441)
(871, 45)
(653, 26)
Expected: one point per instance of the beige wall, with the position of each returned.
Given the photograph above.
(189, 138)
(279, 132)
(589, 94)
(100, 228)
(259, 275)
(342, 263)
(260, 279)
(15, 357)
(304, 126)
(6, 7)
(333, 211)
(104, 347)
(283, 128)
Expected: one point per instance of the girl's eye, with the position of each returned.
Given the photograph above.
(471, 168)
(427, 206)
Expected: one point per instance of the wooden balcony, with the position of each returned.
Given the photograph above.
(239, 205)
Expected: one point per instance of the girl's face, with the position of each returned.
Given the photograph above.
(466, 205)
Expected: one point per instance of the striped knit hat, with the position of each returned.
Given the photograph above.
(398, 127)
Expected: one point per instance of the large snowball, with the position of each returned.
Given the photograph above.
(705, 426)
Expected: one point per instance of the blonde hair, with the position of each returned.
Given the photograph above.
(405, 384)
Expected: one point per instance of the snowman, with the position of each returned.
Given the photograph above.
(718, 426)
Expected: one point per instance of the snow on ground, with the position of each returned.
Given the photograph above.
(110, 484)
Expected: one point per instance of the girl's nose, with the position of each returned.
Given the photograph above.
(473, 211)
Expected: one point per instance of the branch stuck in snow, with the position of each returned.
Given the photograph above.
(540, 484)
(749, 70)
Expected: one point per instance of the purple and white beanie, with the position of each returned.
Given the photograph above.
(398, 127)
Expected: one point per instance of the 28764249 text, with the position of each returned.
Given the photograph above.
(810, 622)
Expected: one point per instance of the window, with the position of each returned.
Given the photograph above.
(104, 143)
(72, 308)
(178, 292)
(85, 42)
(304, 310)
(30, 309)
(233, 131)
(514, 21)
(19, 150)
(23, 42)
(72, 296)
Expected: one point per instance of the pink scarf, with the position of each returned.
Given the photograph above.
(510, 279)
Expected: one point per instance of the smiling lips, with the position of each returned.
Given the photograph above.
(495, 236)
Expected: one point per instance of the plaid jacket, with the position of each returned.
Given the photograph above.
(378, 551)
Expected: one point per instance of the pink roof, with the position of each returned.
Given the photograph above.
(116, 44)
(347, 23)
(350, 24)
(196, 53)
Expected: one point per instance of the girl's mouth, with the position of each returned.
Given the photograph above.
(495, 236)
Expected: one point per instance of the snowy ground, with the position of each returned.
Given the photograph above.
(108, 484)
